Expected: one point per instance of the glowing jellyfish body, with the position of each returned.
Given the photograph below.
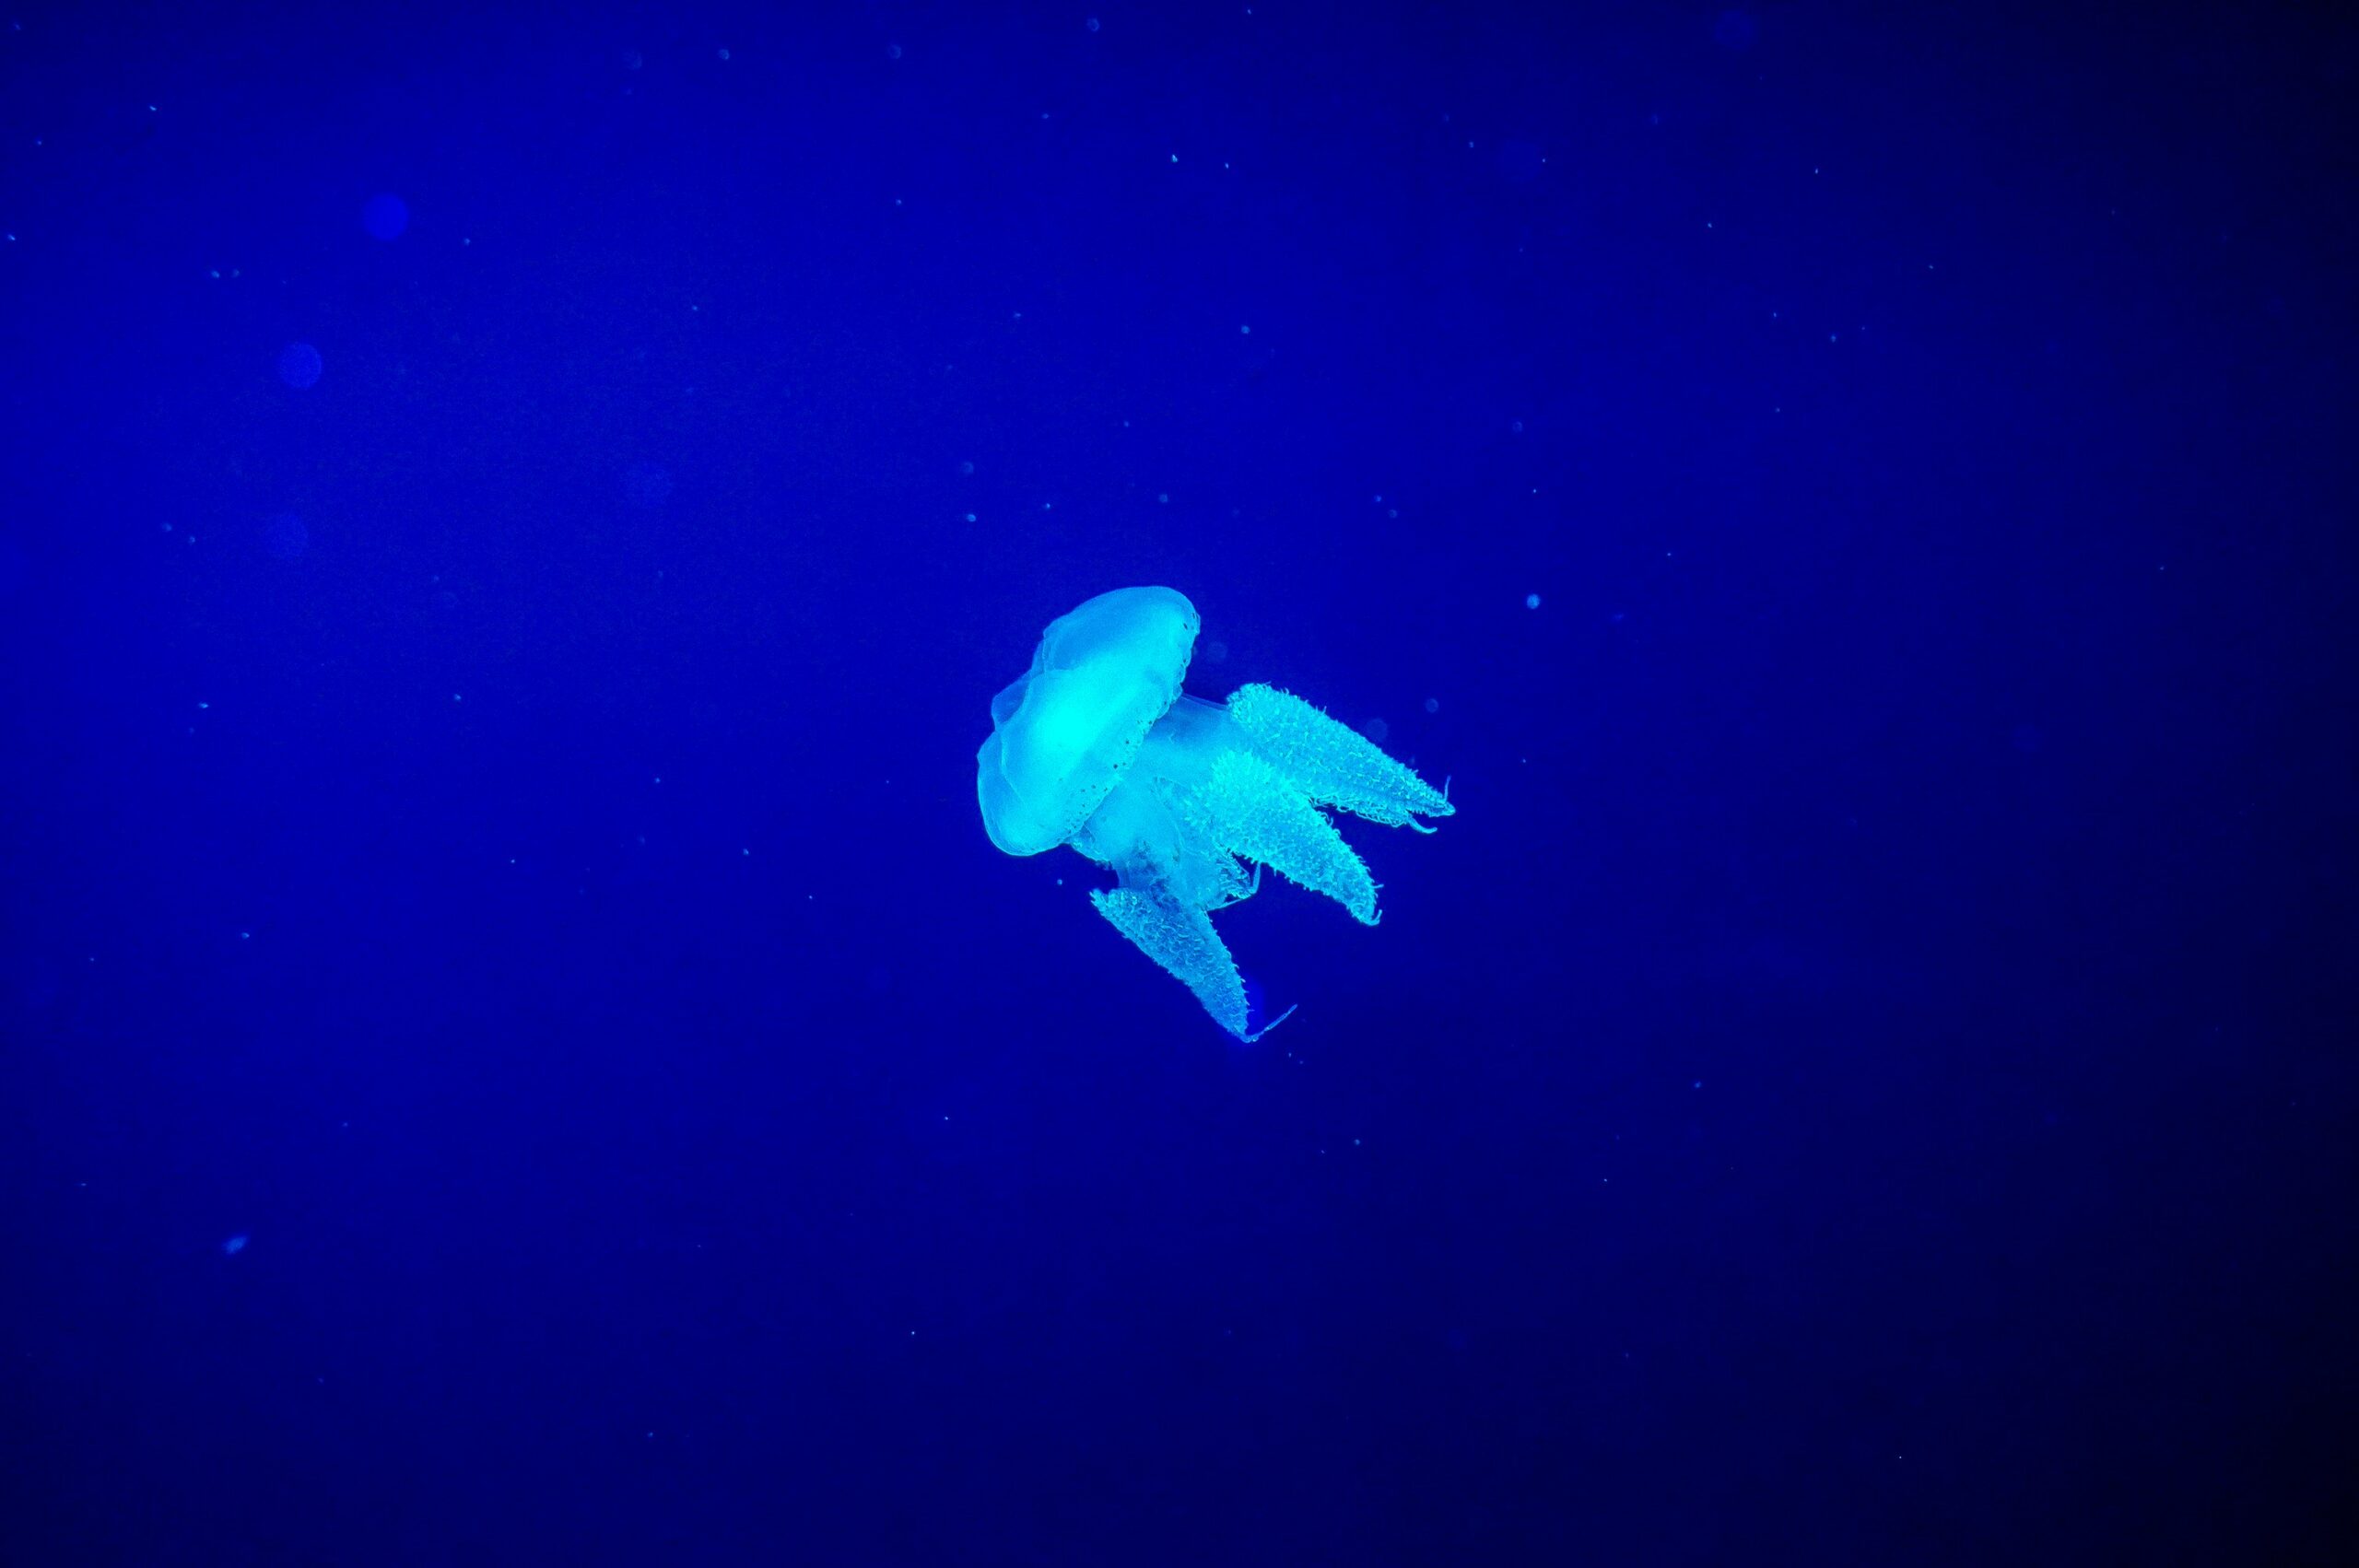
(1097, 746)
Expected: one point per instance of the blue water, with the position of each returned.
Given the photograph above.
(515, 1045)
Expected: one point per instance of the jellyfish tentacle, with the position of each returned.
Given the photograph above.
(1200, 871)
(1331, 761)
(1183, 942)
(1273, 1023)
(1248, 808)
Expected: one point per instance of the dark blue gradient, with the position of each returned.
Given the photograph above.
(1857, 501)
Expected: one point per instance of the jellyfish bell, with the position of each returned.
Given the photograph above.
(1186, 801)
(1063, 731)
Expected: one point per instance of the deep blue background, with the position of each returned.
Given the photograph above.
(1867, 1076)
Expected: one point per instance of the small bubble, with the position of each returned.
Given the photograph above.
(300, 366)
(385, 216)
(647, 483)
(1531, 602)
(286, 537)
(1433, 705)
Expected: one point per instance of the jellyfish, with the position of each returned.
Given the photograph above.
(1185, 799)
